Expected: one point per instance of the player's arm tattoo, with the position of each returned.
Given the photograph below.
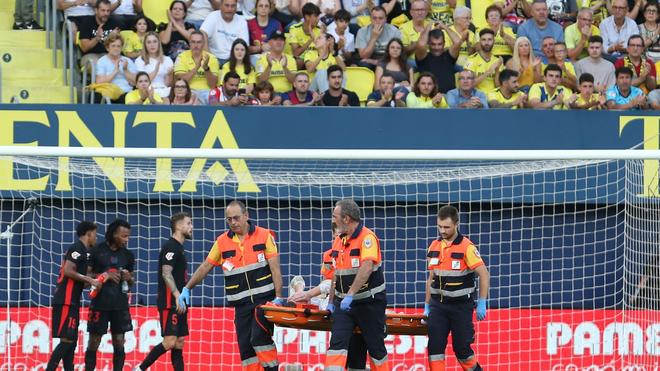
(169, 279)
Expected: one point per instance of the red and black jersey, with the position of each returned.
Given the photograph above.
(67, 291)
(102, 259)
(171, 254)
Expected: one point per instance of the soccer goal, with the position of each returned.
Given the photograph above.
(571, 239)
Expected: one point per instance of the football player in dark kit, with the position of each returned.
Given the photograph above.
(66, 301)
(113, 264)
(172, 277)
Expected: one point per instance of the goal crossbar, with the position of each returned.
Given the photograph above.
(330, 154)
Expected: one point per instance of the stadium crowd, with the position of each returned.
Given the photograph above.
(552, 54)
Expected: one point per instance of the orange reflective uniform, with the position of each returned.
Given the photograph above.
(453, 267)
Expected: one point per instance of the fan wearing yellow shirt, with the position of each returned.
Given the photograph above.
(441, 11)
(577, 35)
(507, 95)
(425, 93)
(462, 18)
(411, 30)
(239, 62)
(550, 94)
(198, 67)
(505, 38)
(323, 57)
(143, 93)
(587, 99)
(484, 64)
(133, 39)
(480, 9)
(559, 57)
(303, 34)
(276, 63)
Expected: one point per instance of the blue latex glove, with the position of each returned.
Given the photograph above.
(330, 308)
(346, 302)
(427, 309)
(481, 309)
(184, 297)
(279, 301)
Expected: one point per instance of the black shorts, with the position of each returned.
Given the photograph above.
(65, 321)
(173, 323)
(120, 321)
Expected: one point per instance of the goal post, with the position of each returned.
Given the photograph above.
(571, 240)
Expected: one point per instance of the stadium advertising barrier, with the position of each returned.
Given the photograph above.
(322, 128)
(556, 340)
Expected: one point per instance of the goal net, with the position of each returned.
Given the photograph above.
(572, 247)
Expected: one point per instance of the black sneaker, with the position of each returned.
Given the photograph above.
(32, 26)
(18, 26)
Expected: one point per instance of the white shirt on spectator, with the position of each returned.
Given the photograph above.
(199, 10)
(222, 34)
(78, 10)
(158, 83)
(349, 45)
(105, 67)
(610, 35)
(125, 8)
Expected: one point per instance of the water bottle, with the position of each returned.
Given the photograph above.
(124, 285)
(94, 291)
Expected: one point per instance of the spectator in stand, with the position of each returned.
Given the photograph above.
(144, 93)
(550, 94)
(264, 95)
(650, 31)
(156, 64)
(336, 95)
(394, 63)
(124, 12)
(525, 63)
(386, 96)
(484, 65)
(624, 96)
(222, 27)
(507, 94)
(198, 10)
(94, 31)
(563, 12)
(644, 74)
(181, 94)
(343, 38)
(577, 35)
(569, 77)
(229, 94)
(318, 60)
(537, 28)
(587, 99)
(654, 99)
(548, 49)
(303, 34)
(276, 63)
(466, 95)
(515, 13)
(134, 39)
(24, 16)
(599, 67)
(114, 68)
(412, 30)
(198, 67)
(443, 11)
(301, 95)
(239, 62)
(357, 9)
(372, 40)
(175, 34)
(505, 38)
(76, 10)
(437, 60)
(425, 93)
(327, 7)
(460, 30)
(616, 30)
(260, 27)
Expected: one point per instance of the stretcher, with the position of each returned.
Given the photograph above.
(310, 317)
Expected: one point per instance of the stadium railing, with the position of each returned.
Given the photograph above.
(91, 72)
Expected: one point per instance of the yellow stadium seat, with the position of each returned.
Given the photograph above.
(360, 80)
(156, 10)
